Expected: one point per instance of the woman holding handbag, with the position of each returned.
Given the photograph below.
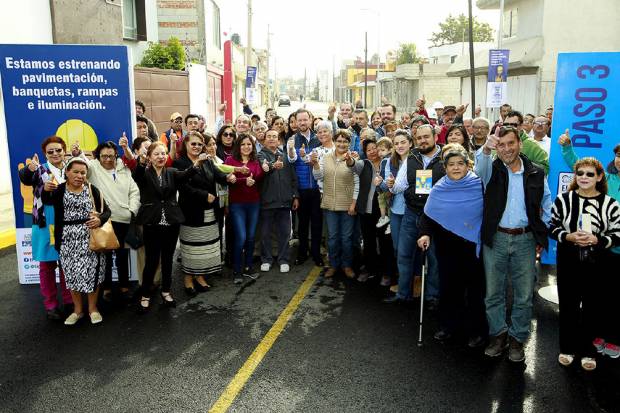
(160, 216)
(74, 205)
(109, 174)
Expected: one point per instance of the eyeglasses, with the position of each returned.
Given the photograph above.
(53, 151)
(540, 123)
(480, 127)
(588, 174)
(194, 144)
(107, 156)
(230, 134)
(513, 125)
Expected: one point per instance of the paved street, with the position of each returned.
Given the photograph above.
(342, 351)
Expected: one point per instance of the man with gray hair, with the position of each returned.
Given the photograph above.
(481, 128)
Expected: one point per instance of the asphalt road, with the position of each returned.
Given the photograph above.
(342, 351)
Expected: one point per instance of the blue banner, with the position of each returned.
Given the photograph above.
(586, 92)
(250, 78)
(497, 85)
(79, 93)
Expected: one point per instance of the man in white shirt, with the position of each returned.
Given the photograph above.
(541, 128)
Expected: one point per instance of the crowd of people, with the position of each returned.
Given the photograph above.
(367, 197)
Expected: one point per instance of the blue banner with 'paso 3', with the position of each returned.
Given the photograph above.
(586, 96)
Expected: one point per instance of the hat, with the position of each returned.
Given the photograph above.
(420, 118)
(176, 115)
(80, 159)
(449, 109)
(437, 105)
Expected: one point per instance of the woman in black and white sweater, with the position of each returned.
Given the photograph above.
(586, 223)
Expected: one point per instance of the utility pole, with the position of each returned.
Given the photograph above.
(304, 88)
(365, 70)
(248, 49)
(269, 100)
(333, 78)
(472, 76)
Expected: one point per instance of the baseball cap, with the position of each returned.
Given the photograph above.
(176, 115)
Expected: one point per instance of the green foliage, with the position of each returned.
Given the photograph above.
(170, 56)
(456, 29)
(407, 53)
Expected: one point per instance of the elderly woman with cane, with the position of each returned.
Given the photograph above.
(456, 233)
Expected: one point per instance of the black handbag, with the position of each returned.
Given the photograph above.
(134, 234)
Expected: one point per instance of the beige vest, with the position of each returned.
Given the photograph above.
(337, 184)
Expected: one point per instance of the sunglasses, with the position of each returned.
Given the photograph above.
(194, 144)
(588, 174)
(178, 121)
(540, 123)
(228, 134)
(53, 151)
(511, 125)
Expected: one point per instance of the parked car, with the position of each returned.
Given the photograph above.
(284, 100)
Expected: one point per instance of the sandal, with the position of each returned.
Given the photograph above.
(588, 363)
(566, 359)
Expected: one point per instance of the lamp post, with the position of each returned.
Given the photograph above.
(377, 89)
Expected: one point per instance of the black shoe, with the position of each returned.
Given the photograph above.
(168, 300)
(250, 273)
(319, 263)
(143, 304)
(301, 259)
(202, 288)
(67, 309)
(431, 305)
(237, 278)
(516, 352)
(191, 292)
(497, 345)
(107, 296)
(392, 300)
(125, 296)
(54, 314)
(475, 342)
(442, 335)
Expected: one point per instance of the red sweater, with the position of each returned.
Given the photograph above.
(240, 192)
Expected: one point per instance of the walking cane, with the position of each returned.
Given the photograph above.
(424, 269)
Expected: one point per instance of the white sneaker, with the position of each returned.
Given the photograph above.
(284, 268)
(388, 230)
(383, 221)
(73, 318)
(265, 267)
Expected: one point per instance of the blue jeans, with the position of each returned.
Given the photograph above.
(244, 218)
(395, 220)
(408, 235)
(340, 238)
(513, 255)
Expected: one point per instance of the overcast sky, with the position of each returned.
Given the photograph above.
(308, 34)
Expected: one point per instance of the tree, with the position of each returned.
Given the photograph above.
(407, 53)
(169, 56)
(456, 29)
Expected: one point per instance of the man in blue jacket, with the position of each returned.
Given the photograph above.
(309, 213)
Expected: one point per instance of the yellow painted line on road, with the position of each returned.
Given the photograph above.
(244, 373)
(7, 238)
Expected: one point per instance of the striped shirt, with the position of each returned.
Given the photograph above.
(570, 211)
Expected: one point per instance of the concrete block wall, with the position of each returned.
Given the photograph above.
(180, 18)
(87, 22)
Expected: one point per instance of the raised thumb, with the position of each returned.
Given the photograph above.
(566, 133)
(35, 158)
(124, 136)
